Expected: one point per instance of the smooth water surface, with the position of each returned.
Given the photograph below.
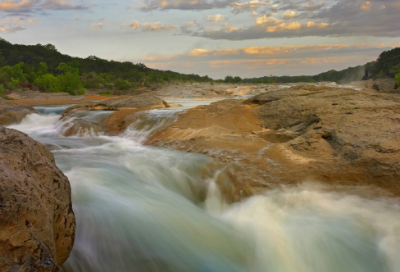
(141, 208)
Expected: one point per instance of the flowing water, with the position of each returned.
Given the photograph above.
(141, 208)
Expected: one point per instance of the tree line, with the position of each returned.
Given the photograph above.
(43, 67)
(52, 71)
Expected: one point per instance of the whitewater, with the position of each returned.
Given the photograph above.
(143, 208)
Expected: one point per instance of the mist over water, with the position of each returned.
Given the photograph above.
(142, 208)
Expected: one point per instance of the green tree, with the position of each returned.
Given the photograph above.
(43, 69)
(69, 80)
(122, 84)
(15, 72)
(397, 79)
(4, 76)
(48, 83)
(70, 83)
(236, 79)
(3, 61)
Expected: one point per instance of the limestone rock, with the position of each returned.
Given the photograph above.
(116, 122)
(11, 113)
(114, 104)
(37, 223)
(339, 135)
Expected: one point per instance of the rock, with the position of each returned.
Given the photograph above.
(306, 132)
(37, 222)
(11, 113)
(36, 95)
(116, 122)
(143, 101)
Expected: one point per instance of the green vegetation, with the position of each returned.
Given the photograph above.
(344, 76)
(387, 65)
(43, 67)
(398, 79)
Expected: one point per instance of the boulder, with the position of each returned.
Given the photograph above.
(11, 113)
(143, 101)
(124, 108)
(37, 223)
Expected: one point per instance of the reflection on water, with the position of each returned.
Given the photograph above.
(142, 208)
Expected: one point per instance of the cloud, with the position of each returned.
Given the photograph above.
(215, 18)
(293, 18)
(97, 26)
(31, 20)
(316, 51)
(150, 27)
(12, 25)
(185, 4)
(289, 14)
(366, 5)
(29, 6)
(61, 5)
(254, 61)
(249, 6)
(19, 6)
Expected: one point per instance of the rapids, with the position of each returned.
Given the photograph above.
(142, 208)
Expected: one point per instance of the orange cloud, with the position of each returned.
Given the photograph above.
(289, 14)
(215, 18)
(97, 26)
(320, 25)
(198, 52)
(8, 4)
(366, 5)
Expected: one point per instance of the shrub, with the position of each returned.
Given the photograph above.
(397, 79)
(122, 84)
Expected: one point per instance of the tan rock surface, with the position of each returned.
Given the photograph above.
(119, 103)
(11, 113)
(308, 132)
(37, 224)
(116, 122)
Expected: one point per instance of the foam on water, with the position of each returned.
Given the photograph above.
(141, 208)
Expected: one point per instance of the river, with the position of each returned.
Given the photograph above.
(142, 208)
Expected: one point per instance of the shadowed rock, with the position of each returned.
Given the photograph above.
(11, 113)
(142, 101)
(37, 224)
(116, 122)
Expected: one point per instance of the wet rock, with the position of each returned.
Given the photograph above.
(124, 108)
(37, 224)
(143, 101)
(11, 113)
(334, 134)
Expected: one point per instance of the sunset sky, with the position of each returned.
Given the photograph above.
(211, 37)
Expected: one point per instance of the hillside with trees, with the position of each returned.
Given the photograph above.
(42, 67)
(386, 66)
(50, 71)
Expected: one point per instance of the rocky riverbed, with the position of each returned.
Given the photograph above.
(319, 160)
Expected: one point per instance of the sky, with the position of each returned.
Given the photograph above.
(211, 37)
